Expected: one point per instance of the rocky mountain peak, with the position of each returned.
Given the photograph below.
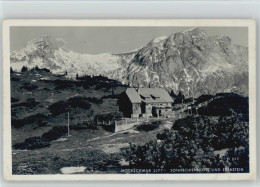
(189, 62)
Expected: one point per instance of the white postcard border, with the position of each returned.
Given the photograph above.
(7, 147)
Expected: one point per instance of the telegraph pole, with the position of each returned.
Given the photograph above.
(68, 124)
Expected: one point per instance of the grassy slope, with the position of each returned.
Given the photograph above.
(90, 148)
(46, 94)
(98, 150)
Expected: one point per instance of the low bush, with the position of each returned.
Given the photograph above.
(28, 103)
(29, 87)
(192, 143)
(24, 69)
(79, 102)
(42, 123)
(226, 105)
(58, 108)
(63, 84)
(94, 100)
(15, 79)
(148, 126)
(111, 97)
(203, 98)
(46, 70)
(32, 143)
(14, 100)
(55, 133)
(46, 89)
(110, 128)
(84, 125)
(61, 107)
(18, 123)
(36, 68)
(108, 116)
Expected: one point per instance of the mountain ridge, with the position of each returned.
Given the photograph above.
(189, 62)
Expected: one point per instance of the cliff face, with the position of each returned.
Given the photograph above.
(188, 61)
(192, 63)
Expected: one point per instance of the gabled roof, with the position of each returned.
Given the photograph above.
(135, 95)
(160, 93)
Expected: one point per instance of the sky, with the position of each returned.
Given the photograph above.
(95, 40)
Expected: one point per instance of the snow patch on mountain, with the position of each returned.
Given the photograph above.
(188, 61)
(158, 39)
(47, 52)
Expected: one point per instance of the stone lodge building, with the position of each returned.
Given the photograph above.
(145, 102)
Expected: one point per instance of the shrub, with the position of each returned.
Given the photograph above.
(108, 116)
(42, 123)
(61, 107)
(203, 98)
(179, 98)
(32, 143)
(94, 100)
(115, 96)
(58, 108)
(46, 70)
(148, 126)
(11, 70)
(15, 79)
(62, 84)
(55, 133)
(14, 100)
(226, 105)
(46, 89)
(110, 128)
(28, 103)
(18, 123)
(24, 69)
(30, 87)
(191, 144)
(36, 68)
(79, 102)
(84, 125)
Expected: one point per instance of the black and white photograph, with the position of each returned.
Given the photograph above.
(145, 99)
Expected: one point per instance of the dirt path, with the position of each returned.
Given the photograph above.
(106, 139)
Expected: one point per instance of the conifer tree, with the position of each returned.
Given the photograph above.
(11, 70)
(24, 69)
